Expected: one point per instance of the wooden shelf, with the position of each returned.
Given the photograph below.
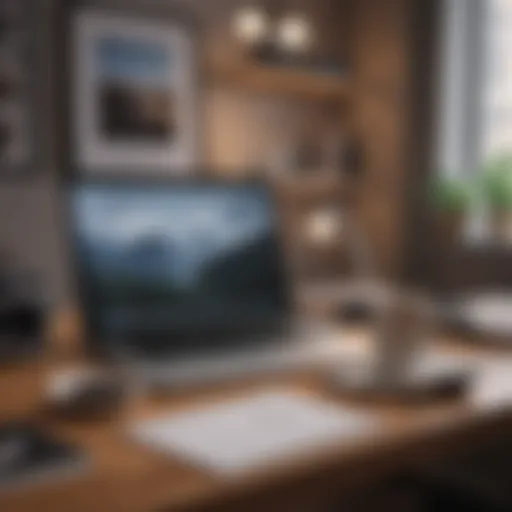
(311, 189)
(281, 81)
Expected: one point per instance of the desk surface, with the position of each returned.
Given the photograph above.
(124, 476)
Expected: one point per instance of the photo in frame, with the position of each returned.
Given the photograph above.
(134, 94)
(20, 82)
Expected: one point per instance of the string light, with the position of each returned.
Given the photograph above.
(251, 25)
(291, 33)
(294, 33)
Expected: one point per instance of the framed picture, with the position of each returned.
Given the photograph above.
(19, 82)
(134, 94)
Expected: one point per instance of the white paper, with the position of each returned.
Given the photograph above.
(258, 429)
(493, 385)
(490, 313)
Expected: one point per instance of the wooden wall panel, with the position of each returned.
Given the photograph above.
(381, 58)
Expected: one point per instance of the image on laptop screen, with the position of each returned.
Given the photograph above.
(163, 261)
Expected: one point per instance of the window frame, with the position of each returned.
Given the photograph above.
(461, 106)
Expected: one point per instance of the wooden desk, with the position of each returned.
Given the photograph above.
(124, 476)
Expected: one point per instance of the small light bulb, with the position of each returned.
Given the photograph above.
(294, 33)
(323, 227)
(250, 25)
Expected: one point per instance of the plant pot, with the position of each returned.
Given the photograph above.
(449, 226)
(501, 226)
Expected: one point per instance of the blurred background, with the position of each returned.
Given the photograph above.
(397, 110)
(383, 129)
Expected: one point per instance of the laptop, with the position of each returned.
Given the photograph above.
(186, 280)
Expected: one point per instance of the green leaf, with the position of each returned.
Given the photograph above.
(450, 195)
(497, 182)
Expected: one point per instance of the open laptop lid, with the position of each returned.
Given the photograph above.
(177, 265)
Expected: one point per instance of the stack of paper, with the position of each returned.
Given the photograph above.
(258, 429)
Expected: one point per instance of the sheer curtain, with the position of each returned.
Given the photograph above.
(497, 86)
(475, 92)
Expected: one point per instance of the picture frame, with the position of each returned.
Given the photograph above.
(134, 94)
(21, 75)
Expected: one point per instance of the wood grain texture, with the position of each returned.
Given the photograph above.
(124, 476)
(381, 38)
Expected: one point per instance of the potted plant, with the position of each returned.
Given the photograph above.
(497, 190)
(451, 199)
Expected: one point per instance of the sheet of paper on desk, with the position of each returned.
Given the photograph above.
(249, 432)
(491, 376)
(493, 385)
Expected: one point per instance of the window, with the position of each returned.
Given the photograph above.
(475, 112)
(476, 84)
(497, 87)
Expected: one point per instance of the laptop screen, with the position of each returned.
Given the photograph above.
(167, 263)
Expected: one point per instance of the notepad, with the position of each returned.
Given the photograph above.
(253, 431)
(492, 388)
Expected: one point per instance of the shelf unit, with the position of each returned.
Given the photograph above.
(298, 195)
(309, 190)
(313, 86)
